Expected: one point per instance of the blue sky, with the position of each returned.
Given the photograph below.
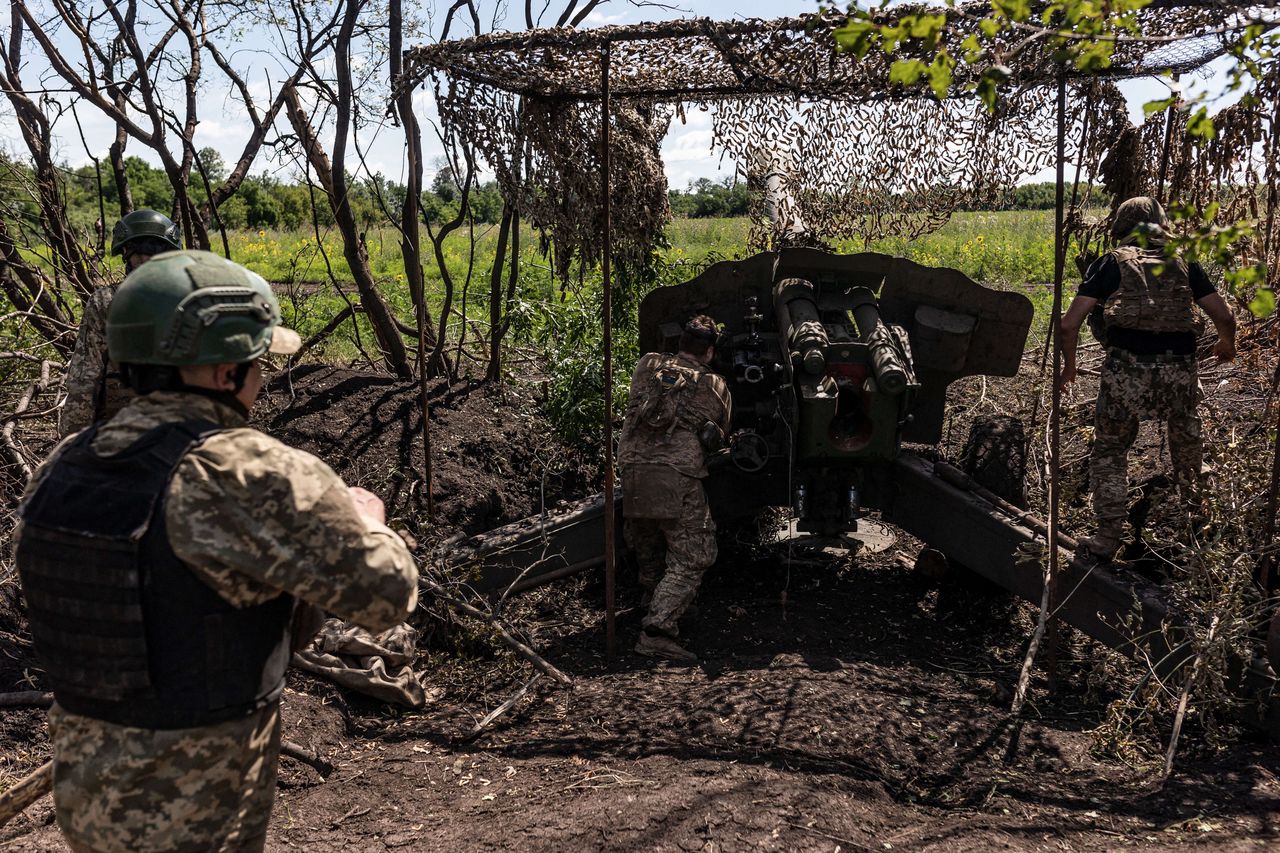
(686, 150)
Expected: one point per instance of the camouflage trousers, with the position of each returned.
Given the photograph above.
(673, 554)
(119, 788)
(1131, 392)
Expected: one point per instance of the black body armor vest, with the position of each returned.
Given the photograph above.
(126, 631)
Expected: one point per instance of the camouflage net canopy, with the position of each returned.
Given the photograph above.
(831, 149)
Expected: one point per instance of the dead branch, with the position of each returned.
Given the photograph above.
(11, 445)
(540, 663)
(411, 242)
(26, 791)
(309, 757)
(438, 237)
(329, 328)
(502, 709)
(1185, 696)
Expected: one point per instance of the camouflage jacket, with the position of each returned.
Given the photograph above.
(251, 517)
(94, 389)
(705, 398)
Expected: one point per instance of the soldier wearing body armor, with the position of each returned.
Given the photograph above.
(1150, 373)
(94, 389)
(677, 410)
(162, 555)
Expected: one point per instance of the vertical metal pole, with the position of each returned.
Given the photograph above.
(1168, 142)
(605, 271)
(1055, 409)
(1266, 567)
(410, 241)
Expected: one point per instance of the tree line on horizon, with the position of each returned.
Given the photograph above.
(267, 201)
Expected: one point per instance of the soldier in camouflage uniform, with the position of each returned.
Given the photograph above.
(164, 624)
(676, 409)
(94, 389)
(1150, 372)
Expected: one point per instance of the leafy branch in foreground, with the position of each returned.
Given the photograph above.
(974, 48)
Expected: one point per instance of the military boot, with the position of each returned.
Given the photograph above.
(1104, 544)
(654, 645)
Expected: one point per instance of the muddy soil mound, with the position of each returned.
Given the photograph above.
(494, 456)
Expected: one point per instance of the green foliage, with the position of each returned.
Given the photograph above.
(261, 202)
(1081, 34)
(1196, 237)
(707, 198)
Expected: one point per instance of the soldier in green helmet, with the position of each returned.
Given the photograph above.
(94, 389)
(163, 624)
(1151, 331)
(677, 410)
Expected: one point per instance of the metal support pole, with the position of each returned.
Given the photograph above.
(410, 242)
(611, 640)
(1168, 142)
(1055, 406)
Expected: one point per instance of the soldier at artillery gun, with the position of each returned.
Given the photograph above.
(678, 412)
(94, 389)
(1150, 372)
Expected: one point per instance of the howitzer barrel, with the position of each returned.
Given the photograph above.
(797, 310)
(891, 372)
(886, 361)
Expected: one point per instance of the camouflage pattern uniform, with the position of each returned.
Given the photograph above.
(251, 517)
(94, 389)
(1151, 387)
(667, 520)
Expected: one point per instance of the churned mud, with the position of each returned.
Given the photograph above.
(842, 702)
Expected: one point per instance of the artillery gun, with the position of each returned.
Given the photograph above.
(838, 366)
(833, 361)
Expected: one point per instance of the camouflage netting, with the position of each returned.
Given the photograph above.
(858, 158)
(845, 170)
(546, 157)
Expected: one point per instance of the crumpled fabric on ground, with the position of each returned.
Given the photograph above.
(377, 665)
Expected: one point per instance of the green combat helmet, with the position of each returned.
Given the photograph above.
(149, 225)
(193, 307)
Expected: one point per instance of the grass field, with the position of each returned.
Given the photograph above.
(1012, 249)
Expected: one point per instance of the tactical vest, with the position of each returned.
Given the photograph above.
(663, 400)
(127, 633)
(1148, 302)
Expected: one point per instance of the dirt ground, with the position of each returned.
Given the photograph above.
(842, 703)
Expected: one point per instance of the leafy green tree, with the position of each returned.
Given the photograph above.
(445, 183)
(212, 164)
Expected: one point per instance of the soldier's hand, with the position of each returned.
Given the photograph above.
(1224, 349)
(368, 504)
(1067, 376)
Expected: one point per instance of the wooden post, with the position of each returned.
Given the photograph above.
(611, 640)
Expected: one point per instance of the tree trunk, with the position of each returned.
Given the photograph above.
(334, 183)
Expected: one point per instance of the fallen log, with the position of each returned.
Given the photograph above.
(26, 699)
